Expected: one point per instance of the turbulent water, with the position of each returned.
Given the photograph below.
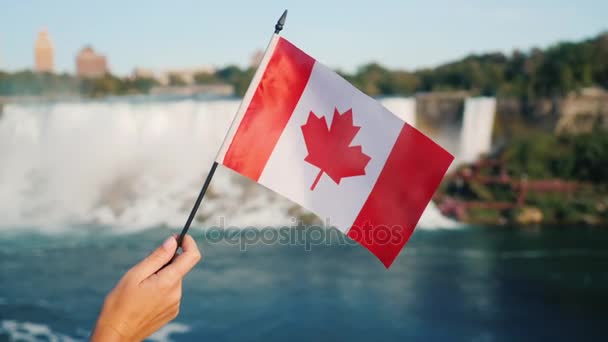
(135, 163)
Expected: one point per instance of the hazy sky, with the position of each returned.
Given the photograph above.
(341, 34)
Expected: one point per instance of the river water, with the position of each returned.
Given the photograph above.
(468, 284)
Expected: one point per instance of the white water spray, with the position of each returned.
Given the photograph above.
(132, 165)
(477, 124)
(404, 108)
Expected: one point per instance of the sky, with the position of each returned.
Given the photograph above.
(402, 34)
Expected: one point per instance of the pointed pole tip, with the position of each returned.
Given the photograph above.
(279, 26)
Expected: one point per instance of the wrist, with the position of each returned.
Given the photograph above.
(106, 333)
(106, 329)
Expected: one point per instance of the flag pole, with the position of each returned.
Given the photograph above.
(277, 29)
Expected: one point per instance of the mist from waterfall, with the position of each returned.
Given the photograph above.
(133, 164)
(404, 108)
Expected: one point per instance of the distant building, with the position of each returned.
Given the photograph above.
(256, 58)
(164, 76)
(143, 73)
(219, 89)
(90, 64)
(43, 52)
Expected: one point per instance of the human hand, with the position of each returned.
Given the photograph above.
(147, 297)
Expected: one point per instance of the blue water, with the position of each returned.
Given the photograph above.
(475, 284)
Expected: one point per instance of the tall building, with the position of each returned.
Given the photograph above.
(90, 64)
(43, 52)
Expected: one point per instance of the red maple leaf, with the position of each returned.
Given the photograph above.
(328, 147)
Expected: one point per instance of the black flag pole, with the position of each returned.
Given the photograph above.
(280, 23)
(277, 29)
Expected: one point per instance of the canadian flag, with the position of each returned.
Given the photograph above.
(306, 133)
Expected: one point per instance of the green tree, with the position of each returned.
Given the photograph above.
(141, 85)
(205, 78)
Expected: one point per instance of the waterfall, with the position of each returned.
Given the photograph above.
(477, 125)
(132, 164)
(403, 107)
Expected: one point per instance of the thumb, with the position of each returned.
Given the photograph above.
(156, 260)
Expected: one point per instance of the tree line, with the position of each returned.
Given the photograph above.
(554, 71)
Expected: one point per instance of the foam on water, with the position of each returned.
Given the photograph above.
(28, 331)
(164, 333)
(132, 165)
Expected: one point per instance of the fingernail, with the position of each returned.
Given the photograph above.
(169, 244)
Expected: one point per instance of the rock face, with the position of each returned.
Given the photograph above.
(529, 215)
(584, 112)
(440, 114)
(440, 108)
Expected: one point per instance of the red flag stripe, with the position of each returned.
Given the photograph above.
(406, 184)
(272, 104)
